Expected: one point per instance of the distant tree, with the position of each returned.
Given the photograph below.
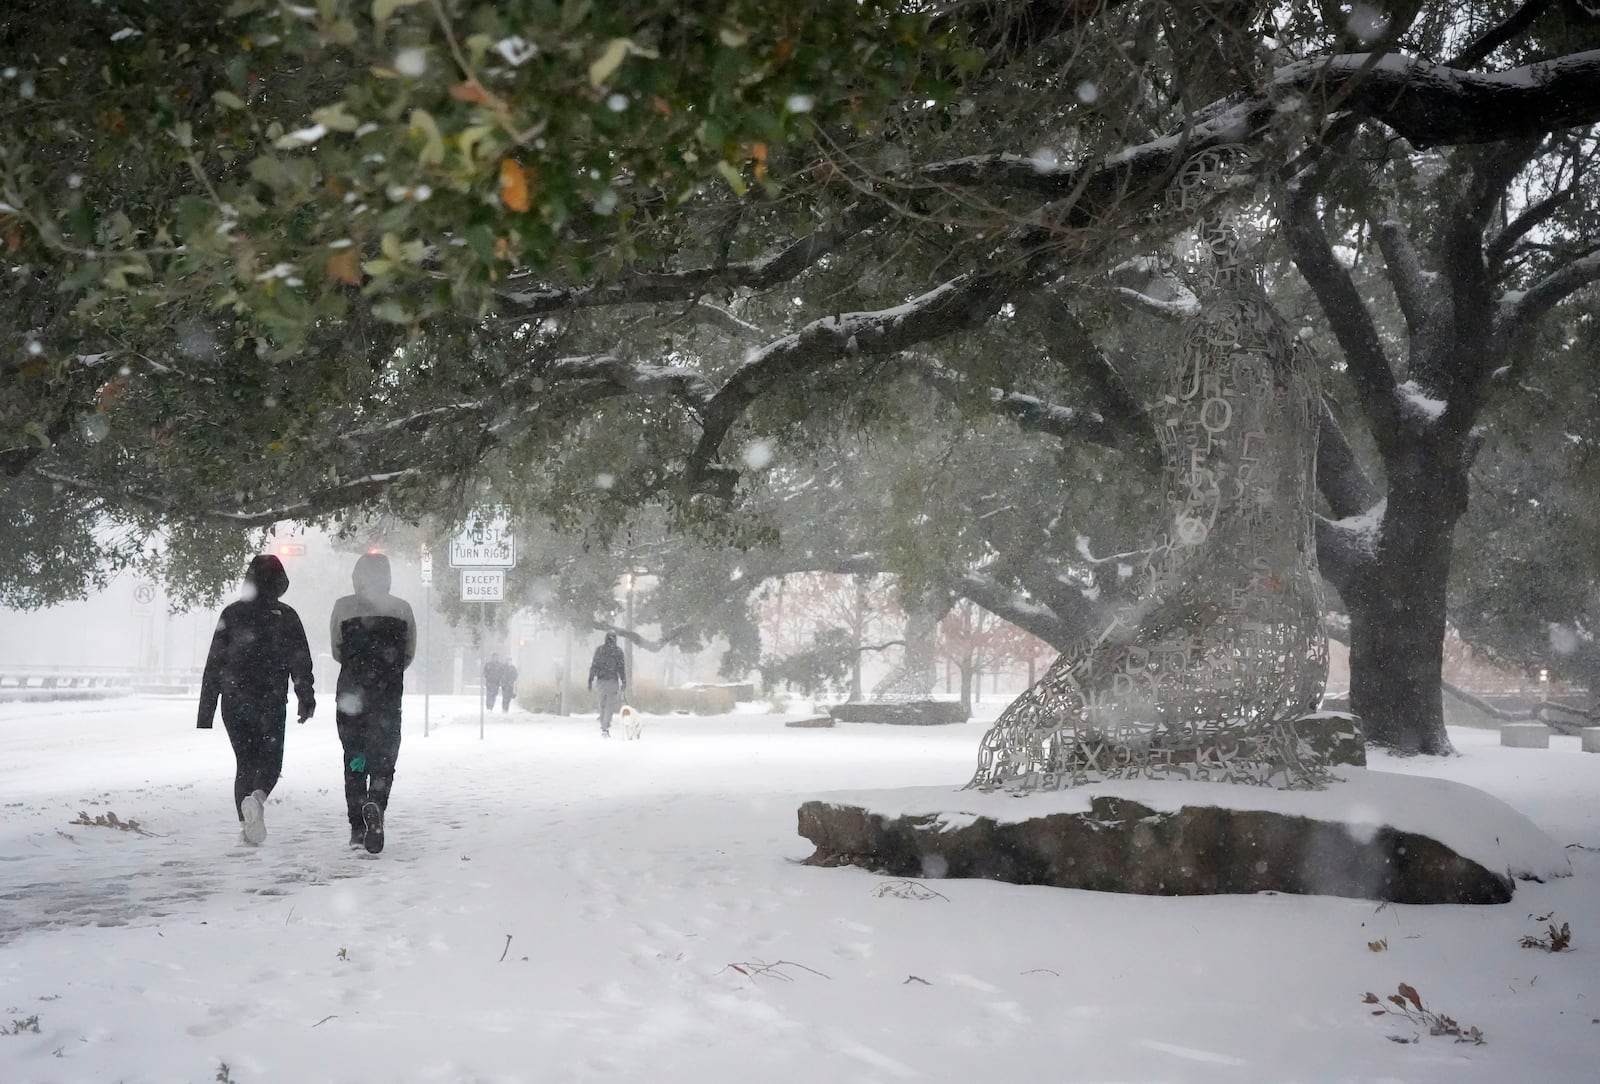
(796, 610)
(974, 641)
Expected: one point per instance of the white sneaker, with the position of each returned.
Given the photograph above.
(255, 821)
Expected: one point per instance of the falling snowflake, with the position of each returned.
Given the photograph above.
(1088, 93)
(1563, 640)
(1366, 23)
(517, 51)
(800, 103)
(757, 454)
(411, 62)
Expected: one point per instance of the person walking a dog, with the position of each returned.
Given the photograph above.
(257, 652)
(609, 669)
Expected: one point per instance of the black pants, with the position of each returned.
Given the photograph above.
(255, 730)
(371, 739)
(505, 702)
(488, 700)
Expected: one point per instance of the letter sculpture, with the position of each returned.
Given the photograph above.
(1205, 673)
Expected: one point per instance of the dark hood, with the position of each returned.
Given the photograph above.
(611, 638)
(267, 576)
(371, 576)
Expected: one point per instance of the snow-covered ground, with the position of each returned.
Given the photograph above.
(552, 907)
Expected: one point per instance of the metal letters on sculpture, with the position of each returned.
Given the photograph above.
(1204, 675)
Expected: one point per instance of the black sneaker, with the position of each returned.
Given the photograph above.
(372, 835)
(358, 836)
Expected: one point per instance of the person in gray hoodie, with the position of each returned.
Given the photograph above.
(258, 650)
(374, 638)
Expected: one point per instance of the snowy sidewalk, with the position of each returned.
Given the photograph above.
(645, 886)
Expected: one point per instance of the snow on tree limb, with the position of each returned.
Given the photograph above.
(1430, 104)
(1518, 311)
(1029, 412)
(1341, 302)
(1340, 477)
(319, 502)
(720, 318)
(958, 304)
(647, 287)
(1415, 287)
(1502, 32)
(1181, 308)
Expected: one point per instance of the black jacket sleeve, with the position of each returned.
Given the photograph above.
(211, 681)
(299, 658)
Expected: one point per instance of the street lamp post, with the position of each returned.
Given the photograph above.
(629, 626)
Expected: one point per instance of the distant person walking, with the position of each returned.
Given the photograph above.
(508, 685)
(258, 650)
(610, 670)
(374, 637)
(493, 675)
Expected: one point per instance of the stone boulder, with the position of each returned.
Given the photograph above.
(817, 721)
(1122, 844)
(901, 712)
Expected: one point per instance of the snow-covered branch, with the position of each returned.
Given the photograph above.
(318, 502)
(1517, 312)
(1499, 34)
(1501, 244)
(1415, 287)
(962, 303)
(1430, 104)
(638, 377)
(1029, 412)
(648, 287)
(1340, 477)
(1341, 302)
(1178, 309)
(720, 318)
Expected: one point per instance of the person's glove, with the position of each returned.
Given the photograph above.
(205, 720)
(308, 707)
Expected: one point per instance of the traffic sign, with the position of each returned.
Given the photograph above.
(483, 585)
(143, 595)
(427, 569)
(486, 542)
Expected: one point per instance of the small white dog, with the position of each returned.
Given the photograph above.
(632, 722)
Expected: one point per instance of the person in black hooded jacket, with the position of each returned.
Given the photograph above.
(258, 650)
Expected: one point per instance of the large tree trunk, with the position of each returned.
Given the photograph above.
(1395, 591)
(1397, 626)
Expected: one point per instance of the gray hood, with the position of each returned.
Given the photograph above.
(371, 576)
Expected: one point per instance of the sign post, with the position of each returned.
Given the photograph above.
(482, 586)
(427, 634)
(483, 550)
